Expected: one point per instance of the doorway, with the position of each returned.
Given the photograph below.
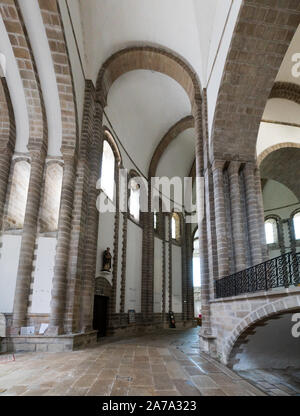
(100, 315)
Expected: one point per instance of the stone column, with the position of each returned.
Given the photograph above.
(237, 217)
(253, 214)
(5, 162)
(189, 272)
(261, 215)
(202, 226)
(22, 291)
(59, 283)
(90, 253)
(221, 219)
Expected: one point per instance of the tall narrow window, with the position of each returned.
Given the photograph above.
(134, 200)
(271, 231)
(296, 222)
(18, 196)
(196, 261)
(155, 220)
(108, 170)
(175, 227)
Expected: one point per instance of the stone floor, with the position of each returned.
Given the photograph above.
(166, 363)
(275, 382)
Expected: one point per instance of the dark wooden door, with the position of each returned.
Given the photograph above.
(100, 315)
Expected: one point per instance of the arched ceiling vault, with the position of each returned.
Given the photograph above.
(283, 165)
(260, 41)
(154, 58)
(184, 124)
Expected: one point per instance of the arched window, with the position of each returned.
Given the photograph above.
(271, 231)
(134, 199)
(196, 261)
(155, 222)
(18, 196)
(296, 223)
(175, 227)
(51, 199)
(108, 170)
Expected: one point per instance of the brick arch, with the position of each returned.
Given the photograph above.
(272, 149)
(182, 125)
(155, 58)
(22, 51)
(7, 142)
(57, 43)
(287, 91)
(267, 311)
(7, 119)
(261, 38)
(110, 139)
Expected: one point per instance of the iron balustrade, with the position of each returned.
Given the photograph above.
(282, 271)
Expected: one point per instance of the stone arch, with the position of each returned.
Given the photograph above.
(61, 62)
(112, 142)
(275, 147)
(287, 91)
(259, 43)
(267, 311)
(155, 58)
(34, 100)
(7, 142)
(184, 124)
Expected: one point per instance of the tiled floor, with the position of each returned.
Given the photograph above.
(167, 363)
(275, 382)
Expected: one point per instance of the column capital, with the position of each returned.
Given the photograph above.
(250, 167)
(234, 167)
(37, 153)
(218, 164)
(68, 154)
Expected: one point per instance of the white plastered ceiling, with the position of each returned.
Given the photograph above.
(285, 113)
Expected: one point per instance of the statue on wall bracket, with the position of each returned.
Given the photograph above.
(106, 267)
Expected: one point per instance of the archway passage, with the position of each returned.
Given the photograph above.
(268, 354)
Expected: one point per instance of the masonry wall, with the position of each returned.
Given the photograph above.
(231, 317)
(280, 202)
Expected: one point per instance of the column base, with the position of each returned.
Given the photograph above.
(47, 343)
(208, 344)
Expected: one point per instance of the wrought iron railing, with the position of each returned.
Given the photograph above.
(282, 271)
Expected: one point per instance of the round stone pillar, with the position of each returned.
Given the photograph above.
(261, 215)
(59, 283)
(253, 218)
(22, 291)
(237, 217)
(203, 249)
(92, 225)
(220, 218)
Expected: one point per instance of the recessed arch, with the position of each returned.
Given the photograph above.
(111, 140)
(149, 57)
(182, 125)
(271, 149)
(287, 91)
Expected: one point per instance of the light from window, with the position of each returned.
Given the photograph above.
(134, 200)
(271, 231)
(155, 221)
(196, 271)
(296, 221)
(173, 228)
(108, 171)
